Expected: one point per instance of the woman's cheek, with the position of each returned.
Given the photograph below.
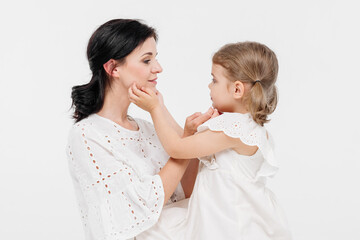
(141, 83)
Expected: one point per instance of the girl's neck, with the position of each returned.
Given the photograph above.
(115, 108)
(240, 108)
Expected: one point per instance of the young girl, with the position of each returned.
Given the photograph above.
(230, 199)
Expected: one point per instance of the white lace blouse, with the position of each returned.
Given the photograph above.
(114, 171)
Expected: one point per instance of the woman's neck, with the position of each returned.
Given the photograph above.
(115, 108)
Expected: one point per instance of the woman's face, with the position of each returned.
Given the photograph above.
(141, 66)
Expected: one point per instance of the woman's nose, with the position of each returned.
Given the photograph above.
(157, 67)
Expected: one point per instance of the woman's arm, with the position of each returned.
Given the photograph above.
(171, 175)
(189, 177)
(110, 190)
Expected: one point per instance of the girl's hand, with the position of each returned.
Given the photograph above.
(195, 120)
(144, 98)
(161, 99)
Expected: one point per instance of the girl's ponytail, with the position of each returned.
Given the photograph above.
(261, 103)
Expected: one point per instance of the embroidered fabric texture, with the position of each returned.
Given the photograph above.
(114, 171)
(242, 126)
(229, 193)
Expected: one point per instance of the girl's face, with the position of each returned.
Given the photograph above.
(220, 90)
(140, 66)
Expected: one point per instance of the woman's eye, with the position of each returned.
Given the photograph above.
(146, 61)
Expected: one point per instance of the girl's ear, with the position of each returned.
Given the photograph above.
(110, 67)
(239, 89)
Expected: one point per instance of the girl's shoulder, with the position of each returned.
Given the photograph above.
(242, 126)
(236, 125)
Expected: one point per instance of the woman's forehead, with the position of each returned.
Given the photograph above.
(146, 48)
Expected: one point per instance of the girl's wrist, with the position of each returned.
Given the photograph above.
(155, 109)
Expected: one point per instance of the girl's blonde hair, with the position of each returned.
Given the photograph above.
(254, 63)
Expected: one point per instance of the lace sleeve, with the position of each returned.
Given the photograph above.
(242, 126)
(115, 202)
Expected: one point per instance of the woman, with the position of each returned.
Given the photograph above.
(122, 175)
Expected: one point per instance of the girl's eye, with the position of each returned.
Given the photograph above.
(213, 80)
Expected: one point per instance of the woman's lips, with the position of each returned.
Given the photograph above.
(153, 81)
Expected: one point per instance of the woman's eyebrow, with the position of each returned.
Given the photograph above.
(148, 53)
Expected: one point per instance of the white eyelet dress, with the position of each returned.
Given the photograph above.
(114, 171)
(230, 198)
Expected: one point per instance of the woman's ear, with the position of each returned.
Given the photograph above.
(239, 89)
(110, 66)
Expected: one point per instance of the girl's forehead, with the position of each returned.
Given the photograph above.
(217, 70)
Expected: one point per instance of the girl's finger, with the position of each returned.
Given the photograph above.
(193, 116)
(131, 90)
(139, 92)
(132, 96)
(204, 117)
(135, 90)
(215, 114)
(148, 91)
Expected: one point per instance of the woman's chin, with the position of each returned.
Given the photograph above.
(152, 87)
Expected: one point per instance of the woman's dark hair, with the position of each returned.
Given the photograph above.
(114, 39)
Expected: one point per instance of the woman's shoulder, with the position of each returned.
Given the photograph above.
(83, 123)
(141, 121)
(144, 125)
(88, 126)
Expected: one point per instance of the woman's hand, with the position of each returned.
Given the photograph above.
(145, 98)
(196, 119)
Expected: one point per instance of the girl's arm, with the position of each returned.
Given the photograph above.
(199, 145)
(169, 117)
(191, 124)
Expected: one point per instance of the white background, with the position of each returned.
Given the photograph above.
(316, 125)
